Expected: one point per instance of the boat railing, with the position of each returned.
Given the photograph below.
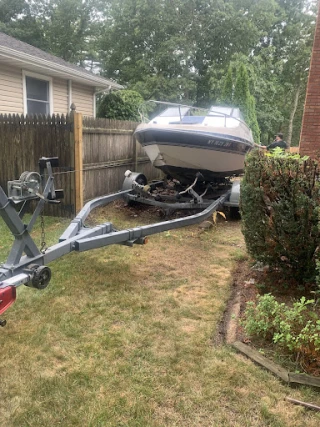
(170, 104)
(208, 113)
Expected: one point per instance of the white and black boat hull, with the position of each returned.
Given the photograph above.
(181, 153)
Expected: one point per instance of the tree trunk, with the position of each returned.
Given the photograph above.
(293, 112)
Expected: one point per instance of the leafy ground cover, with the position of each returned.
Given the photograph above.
(127, 337)
(293, 345)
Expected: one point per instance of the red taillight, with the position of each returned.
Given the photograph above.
(7, 297)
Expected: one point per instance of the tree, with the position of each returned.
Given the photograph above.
(66, 28)
(227, 91)
(69, 27)
(252, 120)
(241, 92)
(17, 21)
(11, 9)
(291, 39)
(246, 102)
(180, 41)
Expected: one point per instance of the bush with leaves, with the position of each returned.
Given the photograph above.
(295, 329)
(121, 105)
(279, 207)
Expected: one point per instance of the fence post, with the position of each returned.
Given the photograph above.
(76, 148)
(78, 160)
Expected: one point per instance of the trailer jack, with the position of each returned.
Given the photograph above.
(27, 265)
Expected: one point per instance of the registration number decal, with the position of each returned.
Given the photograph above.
(218, 143)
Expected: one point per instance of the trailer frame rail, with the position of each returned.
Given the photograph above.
(31, 268)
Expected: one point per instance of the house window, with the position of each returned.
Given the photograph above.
(37, 94)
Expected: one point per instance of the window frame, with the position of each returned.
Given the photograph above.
(37, 76)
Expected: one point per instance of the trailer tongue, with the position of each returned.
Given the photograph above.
(31, 268)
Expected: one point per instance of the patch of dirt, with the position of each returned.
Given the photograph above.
(243, 290)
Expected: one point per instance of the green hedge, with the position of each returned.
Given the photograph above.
(121, 105)
(279, 209)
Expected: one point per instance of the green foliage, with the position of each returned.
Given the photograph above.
(65, 28)
(242, 98)
(121, 105)
(10, 9)
(279, 207)
(180, 41)
(252, 120)
(241, 91)
(296, 329)
(227, 91)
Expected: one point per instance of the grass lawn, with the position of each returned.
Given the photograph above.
(125, 337)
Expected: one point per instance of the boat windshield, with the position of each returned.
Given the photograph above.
(227, 117)
(223, 111)
(174, 112)
(171, 115)
(217, 116)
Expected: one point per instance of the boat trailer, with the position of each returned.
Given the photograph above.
(27, 264)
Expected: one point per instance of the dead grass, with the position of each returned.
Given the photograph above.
(124, 337)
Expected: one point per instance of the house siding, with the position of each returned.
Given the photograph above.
(11, 92)
(60, 96)
(82, 97)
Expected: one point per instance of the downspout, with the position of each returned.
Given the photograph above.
(69, 94)
(94, 105)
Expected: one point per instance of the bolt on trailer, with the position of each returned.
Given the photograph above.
(26, 264)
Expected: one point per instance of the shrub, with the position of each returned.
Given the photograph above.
(279, 208)
(121, 105)
(295, 329)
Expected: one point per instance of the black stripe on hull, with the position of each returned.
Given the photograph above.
(197, 139)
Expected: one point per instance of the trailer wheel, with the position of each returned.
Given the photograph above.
(41, 277)
(234, 213)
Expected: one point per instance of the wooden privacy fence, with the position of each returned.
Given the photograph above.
(109, 149)
(93, 154)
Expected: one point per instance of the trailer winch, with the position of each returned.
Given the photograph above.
(27, 264)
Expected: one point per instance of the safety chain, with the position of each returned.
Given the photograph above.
(43, 244)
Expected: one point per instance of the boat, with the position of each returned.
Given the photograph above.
(182, 141)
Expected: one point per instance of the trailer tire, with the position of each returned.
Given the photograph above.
(234, 213)
(41, 277)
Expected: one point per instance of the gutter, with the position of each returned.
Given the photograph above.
(44, 63)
